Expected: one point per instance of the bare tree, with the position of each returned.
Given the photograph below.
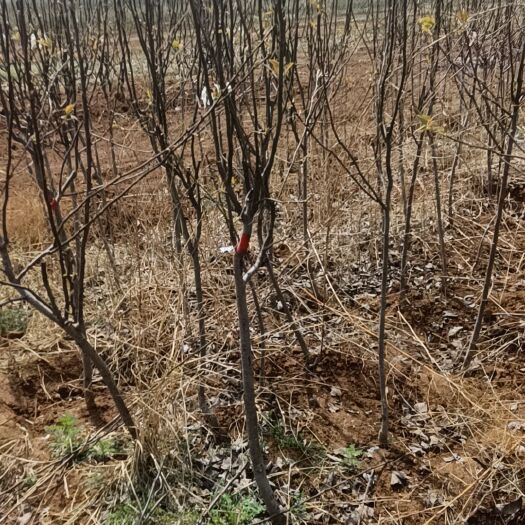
(505, 147)
(163, 34)
(35, 114)
(255, 78)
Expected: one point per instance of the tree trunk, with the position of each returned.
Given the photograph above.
(439, 216)
(497, 226)
(383, 432)
(407, 235)
(250, 408)
(92, 355)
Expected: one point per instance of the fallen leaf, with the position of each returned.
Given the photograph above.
(421, 408)
(454, 331)
(516, 425)
(336, 391)
(398, 479)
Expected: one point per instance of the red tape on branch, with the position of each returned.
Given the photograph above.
(243, 244)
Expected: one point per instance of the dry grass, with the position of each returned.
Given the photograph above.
(149, 346)
(25, 214)
(458, 437)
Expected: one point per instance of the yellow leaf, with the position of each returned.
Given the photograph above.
(267, 18)
(428, 124)
(176, 44)
(274, 64)
(69, 109)
(316, 4)
(216, 92)
(427, 23)
(236, 182)
(462, 16)
(45, 42)
(16, 36)
(424, 119)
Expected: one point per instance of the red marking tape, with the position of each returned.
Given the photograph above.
(243, 244)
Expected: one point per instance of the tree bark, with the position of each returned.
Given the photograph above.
(91, 354)
(250, 408)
